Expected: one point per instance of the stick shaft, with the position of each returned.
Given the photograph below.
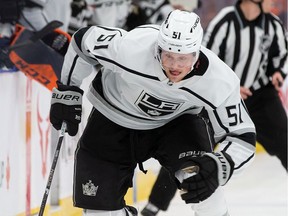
(53, 166)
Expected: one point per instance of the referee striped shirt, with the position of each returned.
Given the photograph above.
(253, 49)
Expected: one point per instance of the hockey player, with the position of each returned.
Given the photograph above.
(255, 47)
(157, 94)
(164, 188)
(19, 20)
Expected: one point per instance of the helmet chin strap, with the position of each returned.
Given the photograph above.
(197, 57)
(192, 67)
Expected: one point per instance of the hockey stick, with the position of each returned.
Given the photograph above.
(4, 53)
(191, 171)
(34, 62)
(53, 166)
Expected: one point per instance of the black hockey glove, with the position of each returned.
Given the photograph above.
(66, 105)
(214, 169)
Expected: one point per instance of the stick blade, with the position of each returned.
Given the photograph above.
(45, 30)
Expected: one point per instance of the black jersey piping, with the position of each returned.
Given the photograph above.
(219, 121)
(151, 27)
(71, 69)
(244, 162)
(227, 146)
(244, 105)
(110, 29)
(199, 97)
(128, 114)
(97, 86)
(210, 104)
(79, 35)
(137, 117)
(125, 68)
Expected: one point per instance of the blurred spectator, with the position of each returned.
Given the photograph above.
(19, 19)
(98, 12)
(37, 13)
(110, 13)
(279, 8)
(33, 15)
(154, 12)
(80, 15)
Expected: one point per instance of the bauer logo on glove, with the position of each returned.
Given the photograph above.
(58, 96)
(66, 105)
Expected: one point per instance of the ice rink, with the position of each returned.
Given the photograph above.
(260, 191)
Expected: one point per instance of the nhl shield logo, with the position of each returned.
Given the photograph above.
(89, 189)
(265, 43)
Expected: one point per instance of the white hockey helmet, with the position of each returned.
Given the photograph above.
(181, 32)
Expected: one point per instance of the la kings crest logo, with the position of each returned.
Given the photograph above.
(89, 189)
(154, 106)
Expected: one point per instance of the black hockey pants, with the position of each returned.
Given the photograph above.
(270, 119)
(107, 155)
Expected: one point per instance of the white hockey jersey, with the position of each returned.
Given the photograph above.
(132, 90)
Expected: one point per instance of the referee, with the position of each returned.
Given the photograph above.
(252, 42)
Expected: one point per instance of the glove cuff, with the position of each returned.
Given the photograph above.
(70, 98)
(62, 87)
(225, 166)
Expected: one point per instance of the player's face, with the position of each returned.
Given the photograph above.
(177, 66)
